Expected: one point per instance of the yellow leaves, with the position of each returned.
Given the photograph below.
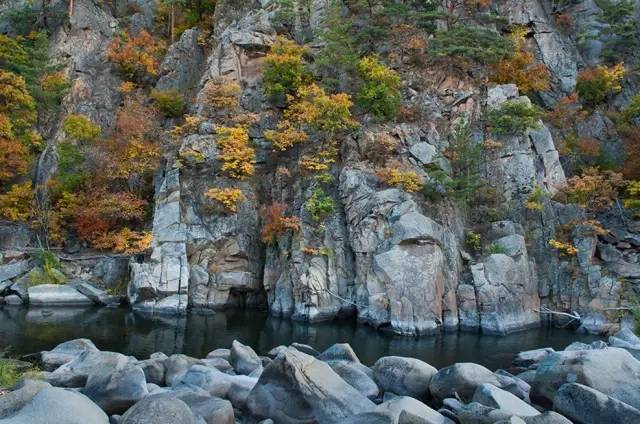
(319, 162)
(15, 100)
(398, 176)
(566, 248)
(594, 189)
(125, 241)
(285, 137)
(595, 84)
(54, 82)
(127, 87)
(228, 198)
(17, 203)
(312, 108)
(284, 72)
(81, 128)
(221, 93)
(237, 156)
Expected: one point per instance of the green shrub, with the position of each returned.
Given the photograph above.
(47, 270)
(471, 44)
(495, 248)
(320, 204)
(631, 114)
(70, 175)
(473, 241)
(169, 102)
(622, 31)
(380, 89)
(285, 71)
(9, 375)
(80, 128)
(594, 85)
(514, 117)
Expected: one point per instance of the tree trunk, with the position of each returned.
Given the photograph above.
(173, 21)
(70, 8)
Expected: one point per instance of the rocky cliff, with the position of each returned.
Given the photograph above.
(415, 262)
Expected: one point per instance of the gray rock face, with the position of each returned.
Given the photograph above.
(296, 387)
(404, 376)
(13, 269)
(244, 359)
(612, 371)
(57, 295)
(461, 379)
(154, 369)
(211, 409)
(14, 236)
(586, 405)
(182, 64)
(157, 409)
(116, 391)
(491, 396)
(53, 405)
(12, 402)
(65, 352)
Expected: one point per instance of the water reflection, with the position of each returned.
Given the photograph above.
(28, 330)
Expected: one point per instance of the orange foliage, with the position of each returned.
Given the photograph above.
(631, 142)
(568, 112)
(520, 68)
(275, 223)
(565, 21)
(595, 189)
(397, 175)
(17, 203)
(285, 136)
(221, 93)
(588, 146)
(14, 158)
(138, 56)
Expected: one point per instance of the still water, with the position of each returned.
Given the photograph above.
(28, 330)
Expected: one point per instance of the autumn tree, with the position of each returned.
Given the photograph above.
(285, 70)
(236, 155)
(137, 57)
(520, 68)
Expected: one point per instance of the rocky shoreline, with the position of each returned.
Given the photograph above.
(584, 383)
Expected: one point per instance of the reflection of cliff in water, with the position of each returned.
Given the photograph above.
(27, 330)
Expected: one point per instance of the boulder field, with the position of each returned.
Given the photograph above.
(585, 383)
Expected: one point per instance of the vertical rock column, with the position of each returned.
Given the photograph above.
(161, 285)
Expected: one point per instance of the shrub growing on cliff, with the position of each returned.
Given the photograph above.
(594, 189)
(514, 117)
(622, 30)
(228, 198)
(237, 156)
(275, 223)
(380, 89)
(169, 102)
(285, 71)
(397, 175)
(320, 204)
(80, 128)
(470, 44)
(137, 57)
(596, 84)
(520, 68)
(17, 203)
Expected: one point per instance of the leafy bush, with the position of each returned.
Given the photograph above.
(514, 117)
(495, 248)
(285, 136)
(596, 84)
(285, 71)
(520, 69)
(563, 247)
(138, 56)
(380, 89)
(320, 204)
(221, 94)
(169, 102)
(633, 200)
(48, 268)
(470, 44)
(9, 374)
(80, 128)
(237, 156)
(473, 241)
(535, 199)
(594, 189)
(398, 176)
(228, 198)
(17, 203)
(275, 223)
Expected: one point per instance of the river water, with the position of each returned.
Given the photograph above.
(28, 330)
